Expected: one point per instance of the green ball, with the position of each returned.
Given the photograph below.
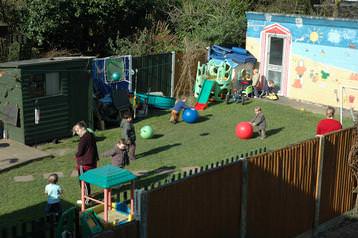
(146, 132)
(116, 76)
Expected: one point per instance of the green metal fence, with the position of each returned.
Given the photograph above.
(153, 73)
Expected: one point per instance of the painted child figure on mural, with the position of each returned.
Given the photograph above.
(259, 121)
(178, 107)
(53, 192)
(119, 154)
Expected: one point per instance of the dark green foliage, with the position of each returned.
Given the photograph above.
(83, 25)
(14, 51)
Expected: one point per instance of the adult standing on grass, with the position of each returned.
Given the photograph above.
(87, 153)
(128, 134)
(329, 124)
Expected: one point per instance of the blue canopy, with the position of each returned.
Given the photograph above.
(235, 54)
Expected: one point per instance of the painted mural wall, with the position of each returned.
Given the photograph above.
(323, 56)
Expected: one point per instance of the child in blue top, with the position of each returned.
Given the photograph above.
(179, 105)
(54, 192)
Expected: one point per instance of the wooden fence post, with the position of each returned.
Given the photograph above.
(141, 211)
(318, 186)
(244, 194)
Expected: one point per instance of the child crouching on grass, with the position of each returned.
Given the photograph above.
(53, 192)
(178, 107)
(259, 121)
(119, 154)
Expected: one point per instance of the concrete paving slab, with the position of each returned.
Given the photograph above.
(13, 154)
(59, 174)
(26, 178)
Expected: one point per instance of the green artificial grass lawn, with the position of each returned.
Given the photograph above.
(173, 146)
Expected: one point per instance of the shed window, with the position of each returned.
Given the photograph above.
(47, 84)
(52, 84)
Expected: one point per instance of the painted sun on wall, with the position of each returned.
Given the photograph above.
(315, 36)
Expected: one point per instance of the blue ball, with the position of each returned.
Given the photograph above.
(190, 115)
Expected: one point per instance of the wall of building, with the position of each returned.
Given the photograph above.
(11, 95)
(323, 56)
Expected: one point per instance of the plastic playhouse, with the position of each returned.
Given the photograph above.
(214, 78)
(105, 216)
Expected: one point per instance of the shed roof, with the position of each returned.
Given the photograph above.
(26, 63)
(108, 176)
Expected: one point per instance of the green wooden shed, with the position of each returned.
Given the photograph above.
(41, 99)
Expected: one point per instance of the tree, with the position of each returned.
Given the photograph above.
(85, 25)
(211, 21)
(10, 13)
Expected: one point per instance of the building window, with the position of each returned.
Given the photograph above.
(42, 85)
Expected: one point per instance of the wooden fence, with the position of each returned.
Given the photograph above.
(283, 193)
(39, 228)
(202, 203)
(337, 180)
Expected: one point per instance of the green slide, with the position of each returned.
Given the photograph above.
(205, 91)
(204, 95)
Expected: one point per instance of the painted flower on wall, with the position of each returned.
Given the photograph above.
(334, 36)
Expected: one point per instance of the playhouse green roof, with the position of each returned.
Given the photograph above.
(107, 176)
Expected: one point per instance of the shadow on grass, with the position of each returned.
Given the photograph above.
(204, 134)
(100, 138)
(157, 150)
(153, 112)
(28, 214)
(204, 118)
(156, 136)
(268, 132)
(274, 131)
(147, 178)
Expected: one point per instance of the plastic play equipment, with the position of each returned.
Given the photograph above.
(220, 69)
(104, 217)
(146, 132)
(155, 100)
(244, 130)
(190, 115)
(202, 101)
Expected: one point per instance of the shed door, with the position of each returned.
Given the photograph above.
(275, 55)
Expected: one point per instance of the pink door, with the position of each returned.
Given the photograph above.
(275, 48)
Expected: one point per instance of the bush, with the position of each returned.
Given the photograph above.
(14, 51)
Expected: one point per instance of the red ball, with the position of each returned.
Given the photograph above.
(244, 130)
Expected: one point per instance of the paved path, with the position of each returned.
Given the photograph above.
(13, 154)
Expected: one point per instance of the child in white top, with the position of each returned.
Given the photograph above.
(54, 192)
